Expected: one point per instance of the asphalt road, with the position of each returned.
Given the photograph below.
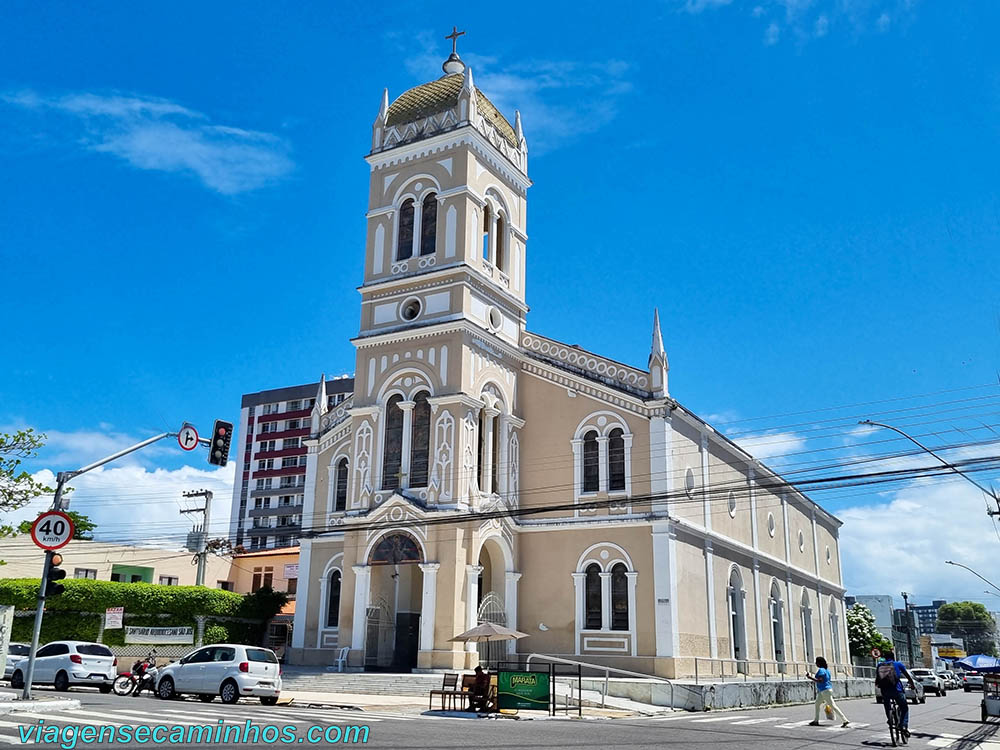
(949, 722)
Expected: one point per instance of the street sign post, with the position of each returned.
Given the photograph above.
(876, 653)
(188, 437)
(52, 530)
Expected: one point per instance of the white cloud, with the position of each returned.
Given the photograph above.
(137, 505)
(558, 99)
(883, 22)
(772, 445)
(772, 34)
(160, 135)
(822, 25)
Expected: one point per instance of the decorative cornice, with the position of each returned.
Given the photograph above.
(592, 365)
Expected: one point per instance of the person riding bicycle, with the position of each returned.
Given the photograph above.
(889, 680)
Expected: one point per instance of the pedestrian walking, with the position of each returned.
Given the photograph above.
(824, 692)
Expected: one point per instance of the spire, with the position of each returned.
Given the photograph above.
(383, 109)
(518, 132)
(454, 63)
(378, 127)
(320, 407)
(467, 84)
(467, 97)
(658, 364)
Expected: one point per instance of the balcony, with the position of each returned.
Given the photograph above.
(271, 491)
(301, 432)
(279, 416)
(286, 472)
(300, 451)
(281, 510)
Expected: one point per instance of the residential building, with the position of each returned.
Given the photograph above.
(479, 471)
(271, 463)
(926, 615)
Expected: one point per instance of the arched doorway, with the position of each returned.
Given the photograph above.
(778, 625)
(738, 620)
(492, 604)
(392, 620)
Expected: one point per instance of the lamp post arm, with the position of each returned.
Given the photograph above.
(984, 580)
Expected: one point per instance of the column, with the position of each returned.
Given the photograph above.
(752, 489)
(504, 469)
(362, 575)
(404, 466)
(510, 601)
(632, 576)
(784, 523)
(331, 491)
(713, 635)
(472, 614)
(418, 214)
(605, 600)
(493, 238)
(628, 466)
(321, 622)
(602, 463)
(756, 609)
(428, 605)
(822, 621)
(489, 424)
(661, 468)
(706, 495)
(299, 619)
(665, 590)
(579, 588)
(790, 610)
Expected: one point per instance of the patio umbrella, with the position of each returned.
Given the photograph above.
(980, 663)
(489, 632)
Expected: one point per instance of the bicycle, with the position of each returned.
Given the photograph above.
(897, 731)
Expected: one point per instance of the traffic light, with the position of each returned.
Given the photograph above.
(53, 588)
(222, 436)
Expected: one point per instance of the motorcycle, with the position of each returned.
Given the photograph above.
(141, 677)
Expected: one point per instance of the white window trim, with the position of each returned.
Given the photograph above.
(613, 421)
(594, 555)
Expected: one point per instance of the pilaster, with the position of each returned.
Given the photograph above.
(299, 623)
(362, 576)
(428, 605)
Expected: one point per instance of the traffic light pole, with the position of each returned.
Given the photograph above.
(58, 503)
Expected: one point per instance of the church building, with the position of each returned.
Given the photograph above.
(480, 471)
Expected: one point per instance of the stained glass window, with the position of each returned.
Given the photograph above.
(428, 225)
(619, 598)
(421, 441)
(395, 548)
(404, 243)
(591, 462)
(333, 600)
(392, 465)
(616, 460)
(592, 597)
(340, 500)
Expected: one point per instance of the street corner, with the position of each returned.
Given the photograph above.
(38, 706)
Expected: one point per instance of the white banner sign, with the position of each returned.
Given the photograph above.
(159, 635)
(291, 571)
(113, 618)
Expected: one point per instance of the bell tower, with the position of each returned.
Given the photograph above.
(443, 297)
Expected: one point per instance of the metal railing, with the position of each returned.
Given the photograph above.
(768, 669)
(601, 668)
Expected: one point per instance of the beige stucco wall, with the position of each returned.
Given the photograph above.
(244, 566)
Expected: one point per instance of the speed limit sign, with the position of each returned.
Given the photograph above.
(52, 530)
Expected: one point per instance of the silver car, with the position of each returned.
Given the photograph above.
(15, 652)
(972, 681)
(932, 682)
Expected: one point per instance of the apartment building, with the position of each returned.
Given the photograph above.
(271, 463)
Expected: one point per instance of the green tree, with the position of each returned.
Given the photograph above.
(17, 487)
(82, 526)
(971, 622)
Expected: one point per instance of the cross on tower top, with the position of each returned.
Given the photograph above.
(454, 35)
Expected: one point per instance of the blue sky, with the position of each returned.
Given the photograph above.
(805, 188)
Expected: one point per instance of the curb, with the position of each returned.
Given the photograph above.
(39, 707)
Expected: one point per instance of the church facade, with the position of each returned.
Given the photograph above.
(483, 472)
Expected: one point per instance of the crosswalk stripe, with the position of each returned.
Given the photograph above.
(15, 740)
(714, 718)
(759, 721)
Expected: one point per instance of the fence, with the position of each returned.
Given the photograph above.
(719, 670)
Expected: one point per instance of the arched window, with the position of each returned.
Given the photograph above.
(487, 220)
(421, 441)
(404, 239)
(481, 458)
(592, 597)
(494, 480)
(340, 492)
(619, 598)
(616, 460)
(333, 600)
(591, 462)
(501, 243)
(393, 461)
(428, 225)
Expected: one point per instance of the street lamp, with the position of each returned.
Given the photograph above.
(959, 565)
(951, 466)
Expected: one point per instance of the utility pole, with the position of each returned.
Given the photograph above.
(909, 628)
(198, 537)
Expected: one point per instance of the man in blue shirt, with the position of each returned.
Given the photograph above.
(889, 681)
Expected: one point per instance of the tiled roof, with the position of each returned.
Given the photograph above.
(440, 95)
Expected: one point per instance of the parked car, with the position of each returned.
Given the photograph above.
(932, 682)
(15, 652)
(227, 670)
(66, 663)
(951, 680)
(972, 681)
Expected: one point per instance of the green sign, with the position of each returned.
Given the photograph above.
(526, 690)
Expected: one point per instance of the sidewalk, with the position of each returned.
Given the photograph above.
(363, 702)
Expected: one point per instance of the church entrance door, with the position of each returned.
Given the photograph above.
(393, 618)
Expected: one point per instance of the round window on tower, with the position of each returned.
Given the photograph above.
(410, 309)
(496, 318)
(771, 525)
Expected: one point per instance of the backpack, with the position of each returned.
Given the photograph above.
(885, 675)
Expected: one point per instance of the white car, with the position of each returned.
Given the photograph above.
(932, 682)
(227, 670)
(15, 652)
(972, 681)
(65, 663)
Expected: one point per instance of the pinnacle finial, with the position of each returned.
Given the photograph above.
(383, 108)
(518, 132)
(657, 348)
(454, 63)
